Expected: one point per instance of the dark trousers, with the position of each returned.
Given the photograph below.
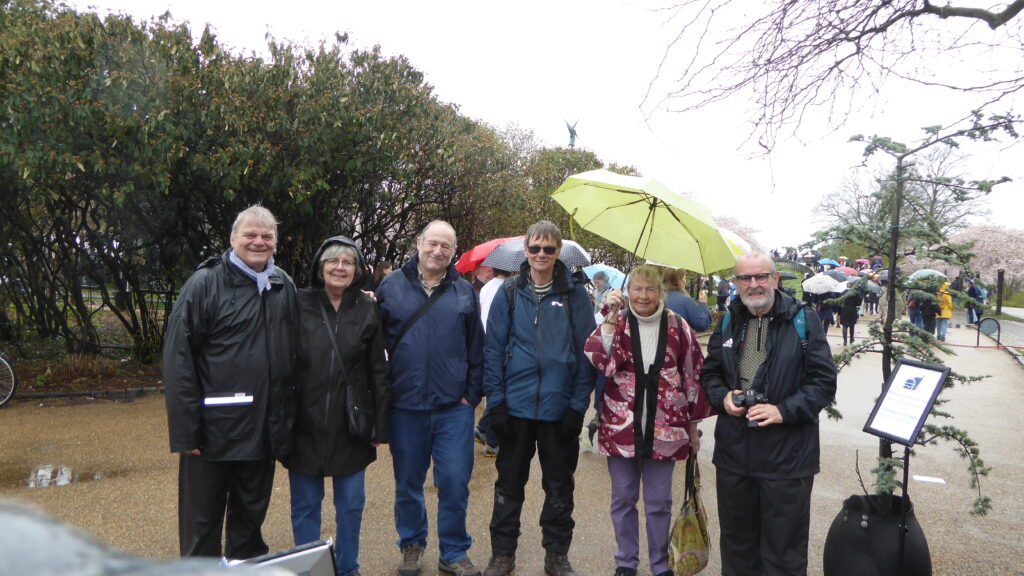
(764, 524)
(206, 490)
(559, 455)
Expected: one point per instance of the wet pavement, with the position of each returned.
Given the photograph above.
(124, 481)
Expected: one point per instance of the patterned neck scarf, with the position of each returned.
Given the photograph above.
(262, 278)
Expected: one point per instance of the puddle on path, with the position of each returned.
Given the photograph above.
(49, 475)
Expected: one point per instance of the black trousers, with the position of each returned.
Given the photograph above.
(207, 489)
(558, 458)
(764, 524)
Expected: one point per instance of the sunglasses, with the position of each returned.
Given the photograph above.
(549, 250)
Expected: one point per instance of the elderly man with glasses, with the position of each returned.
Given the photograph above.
(768, 374)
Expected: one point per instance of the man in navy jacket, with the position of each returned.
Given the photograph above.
(436, 360)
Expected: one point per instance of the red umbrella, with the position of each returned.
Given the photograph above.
(863, 261)
(847, 270)
(472, 258)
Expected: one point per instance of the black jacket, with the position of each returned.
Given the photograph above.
(322, 445)
(800, 383)
(228, 354)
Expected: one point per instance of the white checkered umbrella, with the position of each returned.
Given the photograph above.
(509, 256)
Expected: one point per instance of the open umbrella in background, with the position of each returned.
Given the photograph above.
(820, 284)
(847, 270)
(473, 257)
(863, 261)
(787, 276)
(828, 262)
(645, 217)
(509, 256)
(837, 275)
(927, 273)
(615, 276)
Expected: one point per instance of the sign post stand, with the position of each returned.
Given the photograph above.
(898, 416)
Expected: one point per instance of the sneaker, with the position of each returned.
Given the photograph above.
(411, 556)
(479, 436)
(490, 451)
(620, 571)
(501, 566)
(557, 565)
(461, 568)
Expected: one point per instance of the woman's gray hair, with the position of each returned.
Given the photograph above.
(335, 250)
(652, 275)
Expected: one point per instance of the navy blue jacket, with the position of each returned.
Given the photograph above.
(696, 314)
(535, 364)
(440, 359)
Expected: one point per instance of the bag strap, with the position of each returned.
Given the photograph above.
(434, 297)
(692, 479)
(334, 343)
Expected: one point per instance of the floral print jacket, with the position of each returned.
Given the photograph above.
(680, 399)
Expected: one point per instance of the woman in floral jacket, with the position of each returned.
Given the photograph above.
(650, 407)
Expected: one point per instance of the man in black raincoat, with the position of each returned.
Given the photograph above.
(766, 450)
(228, 355)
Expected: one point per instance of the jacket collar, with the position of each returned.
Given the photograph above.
(412, 272)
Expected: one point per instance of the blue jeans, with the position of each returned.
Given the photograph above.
(941, 325)
(307, 494)
(446, 436)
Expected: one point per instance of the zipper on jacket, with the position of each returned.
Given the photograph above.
(536, 355)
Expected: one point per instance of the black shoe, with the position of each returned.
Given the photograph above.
(501, 566)
(557, 565)
(620, 571)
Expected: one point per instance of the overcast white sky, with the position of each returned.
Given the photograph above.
(538, 63)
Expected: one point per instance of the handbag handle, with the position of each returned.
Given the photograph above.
(692, 480)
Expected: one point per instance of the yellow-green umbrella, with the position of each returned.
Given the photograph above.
(646, 218)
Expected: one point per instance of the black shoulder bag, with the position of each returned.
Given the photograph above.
(360, 408)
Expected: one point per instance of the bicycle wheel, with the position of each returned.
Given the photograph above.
(8, 383)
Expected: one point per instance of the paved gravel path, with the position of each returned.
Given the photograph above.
(125, 493)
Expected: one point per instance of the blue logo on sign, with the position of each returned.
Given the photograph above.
(912, 383)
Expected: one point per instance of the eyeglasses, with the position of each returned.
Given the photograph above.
(549, 250)
(761, 278)
(336, 262)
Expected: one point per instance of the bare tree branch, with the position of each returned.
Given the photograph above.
(797, 55)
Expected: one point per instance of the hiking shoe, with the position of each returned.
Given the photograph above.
(501, 566)
(461, 568)
(557, 565)
(490, 451)
(620, 571)
(411, 556)
(479, 437)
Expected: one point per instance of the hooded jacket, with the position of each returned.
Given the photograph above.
(228, 354)
(945, 302)
(321, 444)
(799, 382)
(535, 362)
(439, 361)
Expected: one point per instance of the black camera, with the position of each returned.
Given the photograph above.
(748, 399)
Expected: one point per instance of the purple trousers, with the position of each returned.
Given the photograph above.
(626, 475)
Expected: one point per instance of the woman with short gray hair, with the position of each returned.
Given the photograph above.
(650, 406)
